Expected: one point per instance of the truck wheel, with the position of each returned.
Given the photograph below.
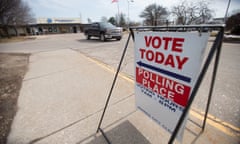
(102, 37)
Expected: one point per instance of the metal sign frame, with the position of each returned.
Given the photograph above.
(216, 48)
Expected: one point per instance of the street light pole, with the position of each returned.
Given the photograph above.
(128, 11)
(225, 18)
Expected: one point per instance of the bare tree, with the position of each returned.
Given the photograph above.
(192, 13)
(154, 14)
(7, 7)
(13, 13)
(22, 15)
(180, 11)
(204, 12)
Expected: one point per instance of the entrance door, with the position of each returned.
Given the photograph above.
(74, 29)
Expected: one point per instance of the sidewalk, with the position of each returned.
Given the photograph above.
(62, 98)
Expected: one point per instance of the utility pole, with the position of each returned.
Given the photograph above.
(225, 18)
(128, 11)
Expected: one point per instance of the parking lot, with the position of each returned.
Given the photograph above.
(224, 107)
(225, 96)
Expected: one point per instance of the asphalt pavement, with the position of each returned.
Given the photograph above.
(63, 95)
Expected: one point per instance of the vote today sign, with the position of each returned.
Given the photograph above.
(167, 65)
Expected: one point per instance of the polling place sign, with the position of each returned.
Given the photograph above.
(166, 67)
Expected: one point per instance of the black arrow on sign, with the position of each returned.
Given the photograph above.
(171, 74)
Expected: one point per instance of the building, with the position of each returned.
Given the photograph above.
(55, 26)
(217, 21)
(44, 26)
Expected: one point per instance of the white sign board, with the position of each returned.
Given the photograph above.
(167, 65)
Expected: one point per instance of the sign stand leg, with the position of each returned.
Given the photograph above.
(216, 46)
(110, 92)
(212, 82)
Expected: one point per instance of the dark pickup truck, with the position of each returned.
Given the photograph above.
(104, 31)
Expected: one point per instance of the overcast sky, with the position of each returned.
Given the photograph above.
(96, 9)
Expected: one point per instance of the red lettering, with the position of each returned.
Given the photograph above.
(170, 61)
(177, 44)
(167, 39)
(156, 42)
(174, 61)
(142, 52)
(149, 55)
(159, 57)
(148, 40)
(181, 62)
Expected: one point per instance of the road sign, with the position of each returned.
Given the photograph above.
(167, 65)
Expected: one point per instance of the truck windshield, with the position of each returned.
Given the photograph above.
(107, 25)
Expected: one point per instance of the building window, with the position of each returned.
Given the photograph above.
(49, 29)
(55, 29)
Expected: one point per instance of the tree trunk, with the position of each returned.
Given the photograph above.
(15, 29)
(5, 28)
